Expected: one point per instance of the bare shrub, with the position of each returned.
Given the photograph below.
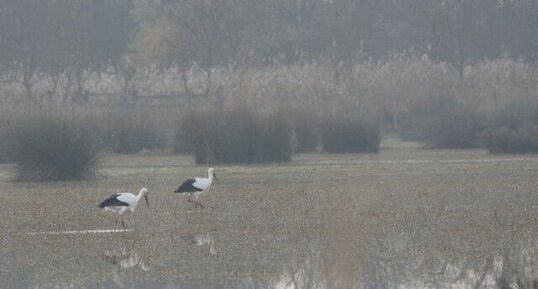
(126, 131)
(189, 136)
(49, 144)
(237, 136)
(454, 125)
(180, 143)
(511, 140)
(5, 156)
(306, 131)
(349, 134)
(512, 129)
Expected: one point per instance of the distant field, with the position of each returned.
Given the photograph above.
(405, 217)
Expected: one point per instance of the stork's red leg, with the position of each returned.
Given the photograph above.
(116, 222)
(190, 200)
(197, 204)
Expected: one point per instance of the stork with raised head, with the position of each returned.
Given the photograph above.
(121, 202)
(196, 187)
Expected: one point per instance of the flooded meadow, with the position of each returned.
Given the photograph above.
(404, 218)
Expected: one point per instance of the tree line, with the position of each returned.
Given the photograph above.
(68, 37)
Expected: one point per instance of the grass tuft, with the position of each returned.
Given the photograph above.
(49, 144)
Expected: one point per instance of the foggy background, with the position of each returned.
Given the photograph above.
(53, 36)
(456, 74)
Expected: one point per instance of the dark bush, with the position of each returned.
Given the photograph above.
(305, 128)
(236, 136)
(127, 132)
(455, 126)
(510, 140)
(5, 156)
(186, 129)
(190, 135)
(53, 145)
(350, 134)
(513, 115)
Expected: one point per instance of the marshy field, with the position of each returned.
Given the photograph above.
(407, 217)
(359, 143)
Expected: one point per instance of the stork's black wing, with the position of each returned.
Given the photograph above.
(112, 201)
(188, 187)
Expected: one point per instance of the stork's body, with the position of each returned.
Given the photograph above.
(123, 202)
(196, 187)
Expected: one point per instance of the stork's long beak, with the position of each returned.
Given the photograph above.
(147, 200)
(215, 176)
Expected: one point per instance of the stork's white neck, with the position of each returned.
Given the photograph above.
(138, 197)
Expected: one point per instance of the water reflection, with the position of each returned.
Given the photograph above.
(313, 272)
(124, 258)
(205, 239)
(455, 276)
(506, 264)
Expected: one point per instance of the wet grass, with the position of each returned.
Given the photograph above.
(320, 220)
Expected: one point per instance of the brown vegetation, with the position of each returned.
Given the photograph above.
(128, 131)
(341, 134)
(237, 136)
(323, 221)
(49, 144)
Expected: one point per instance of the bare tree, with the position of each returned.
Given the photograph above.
(239, 26)
(28, 32)
(55, 35)
(204, 21)
(446, 28)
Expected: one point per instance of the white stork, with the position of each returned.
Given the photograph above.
(196, 187)
(121, 202)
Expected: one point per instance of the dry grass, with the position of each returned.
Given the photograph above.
(336, 221)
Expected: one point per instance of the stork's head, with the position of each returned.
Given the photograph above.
(211, 171)
(145, 192)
